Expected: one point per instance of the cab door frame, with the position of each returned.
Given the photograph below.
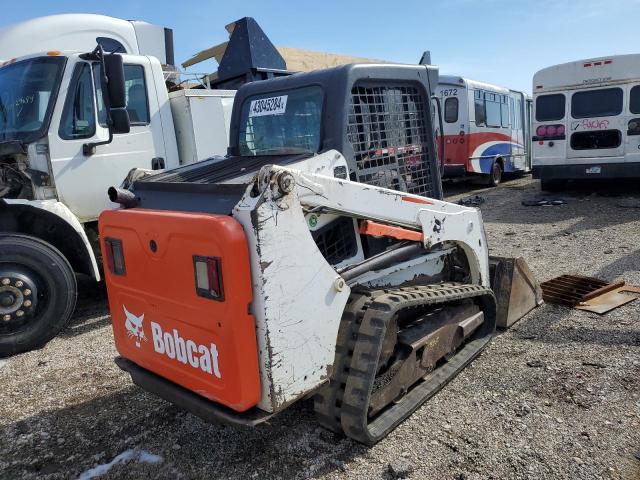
(82, 180)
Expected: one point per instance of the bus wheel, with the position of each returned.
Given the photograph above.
(495, 177)
(37, 293)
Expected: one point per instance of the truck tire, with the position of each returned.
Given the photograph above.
(37, 293)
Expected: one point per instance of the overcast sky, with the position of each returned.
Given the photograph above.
(496, 41)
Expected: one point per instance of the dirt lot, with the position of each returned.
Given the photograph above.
(555, 397)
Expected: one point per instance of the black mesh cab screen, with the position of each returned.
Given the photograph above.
(386, 129)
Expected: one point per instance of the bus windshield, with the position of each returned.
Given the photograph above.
(27, 91)
(281, 124)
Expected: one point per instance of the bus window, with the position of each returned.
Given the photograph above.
(512, 109)
(596, 140)
(504, 112)
(550, 107)
(451, 110)
(597, 103)
(492, 106)
(634, 100)
(478, 101)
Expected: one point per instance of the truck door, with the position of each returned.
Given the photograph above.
(82, 180)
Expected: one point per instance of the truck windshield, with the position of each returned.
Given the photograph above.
(281, 124)
(27, 92)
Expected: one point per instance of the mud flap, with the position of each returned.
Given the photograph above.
(516, 289)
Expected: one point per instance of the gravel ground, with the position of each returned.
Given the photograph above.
(555, 397)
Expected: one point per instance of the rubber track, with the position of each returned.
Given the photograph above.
(327, 400)
(342, 405)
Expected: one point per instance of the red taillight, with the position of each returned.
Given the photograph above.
(208, 273)
(549, 132)
(114, 256)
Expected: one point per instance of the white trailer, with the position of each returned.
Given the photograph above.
(61, 147)
(587, 120)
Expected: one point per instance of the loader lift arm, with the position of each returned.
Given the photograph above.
(353, 199)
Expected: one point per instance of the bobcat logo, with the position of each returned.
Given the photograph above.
(134, 326)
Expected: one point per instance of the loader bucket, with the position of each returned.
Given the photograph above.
(516, 289)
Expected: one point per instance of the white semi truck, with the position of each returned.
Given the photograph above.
(63, 142)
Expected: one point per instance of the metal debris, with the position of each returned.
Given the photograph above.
(588, 293)
(472, 201)
(543, 202)
(610, 300)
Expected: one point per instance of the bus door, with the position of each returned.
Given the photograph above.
(517, 133)
(632, 141)
(528, 116)
(456, 127)
(597, 124)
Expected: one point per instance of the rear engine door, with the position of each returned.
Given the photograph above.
(180, 297)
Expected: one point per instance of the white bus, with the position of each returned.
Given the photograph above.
(587, 120)
(487, 129)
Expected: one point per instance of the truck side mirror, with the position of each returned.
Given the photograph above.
(114, 71)
(120, 121)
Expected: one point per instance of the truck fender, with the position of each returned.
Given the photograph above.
(57, 212)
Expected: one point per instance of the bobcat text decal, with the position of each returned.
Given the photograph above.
(173, 345)
(185, 351)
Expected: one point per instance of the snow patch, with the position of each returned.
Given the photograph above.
(137, 455)
(3, 363)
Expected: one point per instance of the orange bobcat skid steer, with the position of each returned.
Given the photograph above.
(316, 259)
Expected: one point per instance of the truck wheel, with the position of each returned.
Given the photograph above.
(37, 293)
(495, 177)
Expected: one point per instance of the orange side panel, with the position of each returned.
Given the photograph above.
(367, 227)
(160, 323)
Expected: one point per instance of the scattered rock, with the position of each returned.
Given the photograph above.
(400, 468)
(594, 364)
(523, 410)
(535, 363)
